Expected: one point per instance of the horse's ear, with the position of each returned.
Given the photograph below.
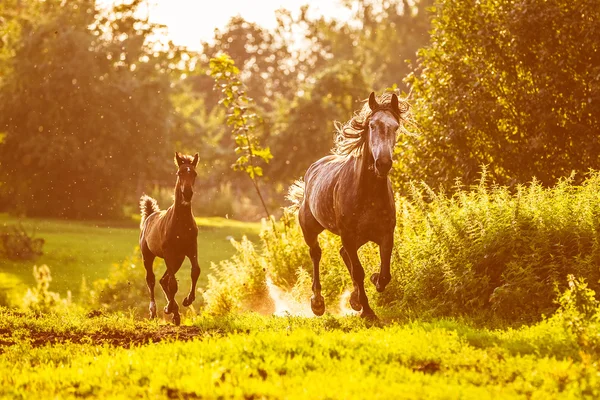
(178, 160)
(394, 102)
(195, 161)
(373, 105)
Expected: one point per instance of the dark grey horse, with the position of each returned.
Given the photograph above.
(349, 193)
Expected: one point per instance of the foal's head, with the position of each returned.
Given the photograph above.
(186, 175)
(383, 124)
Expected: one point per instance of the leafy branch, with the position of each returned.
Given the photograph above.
(242, 121)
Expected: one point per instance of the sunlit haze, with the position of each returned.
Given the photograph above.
(191, 21)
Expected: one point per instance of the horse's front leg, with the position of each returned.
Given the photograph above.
(195, 274)
(169, 284)
(358, 277)
(383, 277)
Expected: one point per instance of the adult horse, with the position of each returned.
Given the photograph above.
(171, 234)
(349, 193)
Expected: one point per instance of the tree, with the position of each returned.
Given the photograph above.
(514, 85)
(86, 109)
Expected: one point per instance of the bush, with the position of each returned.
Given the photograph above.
(18, 244)
(124, 289)
(485, 252)
(40, 299)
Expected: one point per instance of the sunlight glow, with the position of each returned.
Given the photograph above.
(191, 21)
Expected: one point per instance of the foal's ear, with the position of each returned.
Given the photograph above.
(394, 102)
(178, 160)
(373, 105)
(195, 161)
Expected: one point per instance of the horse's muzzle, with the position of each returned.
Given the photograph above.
(383, 166)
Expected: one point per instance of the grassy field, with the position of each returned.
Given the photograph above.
(249, 356)
(77, 249)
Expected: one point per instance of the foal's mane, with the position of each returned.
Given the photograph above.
(351, 136)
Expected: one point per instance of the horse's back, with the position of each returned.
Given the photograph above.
(320, 187)
(151, 234)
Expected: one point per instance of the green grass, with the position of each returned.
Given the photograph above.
(77, 249)
(248, 356)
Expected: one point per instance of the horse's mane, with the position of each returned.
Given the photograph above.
(350, 137)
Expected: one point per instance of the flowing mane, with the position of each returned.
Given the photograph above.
(350, 136)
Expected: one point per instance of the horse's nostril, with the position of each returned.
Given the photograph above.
(383, 165)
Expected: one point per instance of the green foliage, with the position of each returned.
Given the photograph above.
(239, 283)
(580, 314)
(512, 85)
(250, 153)
(86, 108)
(259, 357)
(485, 253)
(124, 289)
(40, 299)
(18, 244)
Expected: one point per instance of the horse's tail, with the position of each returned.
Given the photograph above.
(147, 206)
(295, 195)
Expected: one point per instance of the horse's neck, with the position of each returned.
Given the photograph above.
(179, 209)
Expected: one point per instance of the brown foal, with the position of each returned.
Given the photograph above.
(172, 235)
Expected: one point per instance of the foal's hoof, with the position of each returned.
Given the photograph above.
(152, 309)
(354, 303)
(188, 300)
(317, 304)
(176, 319)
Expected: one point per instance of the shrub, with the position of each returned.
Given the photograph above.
(484, 252)
(124, 289)
(40, 299)
(18, 244)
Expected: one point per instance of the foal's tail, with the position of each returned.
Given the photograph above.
(147, 206)
(295, 195)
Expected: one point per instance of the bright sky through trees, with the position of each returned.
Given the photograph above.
(191, 21)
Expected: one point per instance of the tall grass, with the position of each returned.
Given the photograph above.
(483, 252)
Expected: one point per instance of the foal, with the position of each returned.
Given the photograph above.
(171, 234)
(349, 194)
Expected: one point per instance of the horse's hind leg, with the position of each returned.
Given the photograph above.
(148, 258)
(354, 302)
(311, 230)
(195, 274)
(169, 285)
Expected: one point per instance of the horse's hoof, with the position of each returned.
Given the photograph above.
(167, 309)
(152, 309)
(317, 304)
(188, 301)
(354, 303)
(176, 319)
(378, 282)
(369, 316)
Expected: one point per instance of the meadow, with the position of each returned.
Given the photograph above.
(248, 356)
(89, 249)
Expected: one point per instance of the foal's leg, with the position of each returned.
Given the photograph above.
(148, 258)
(354, 303)
(169, 285)
(195, 274)
(358, 276)
(381, 279)
(311, 230)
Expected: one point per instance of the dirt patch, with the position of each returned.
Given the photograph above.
(117, 339)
